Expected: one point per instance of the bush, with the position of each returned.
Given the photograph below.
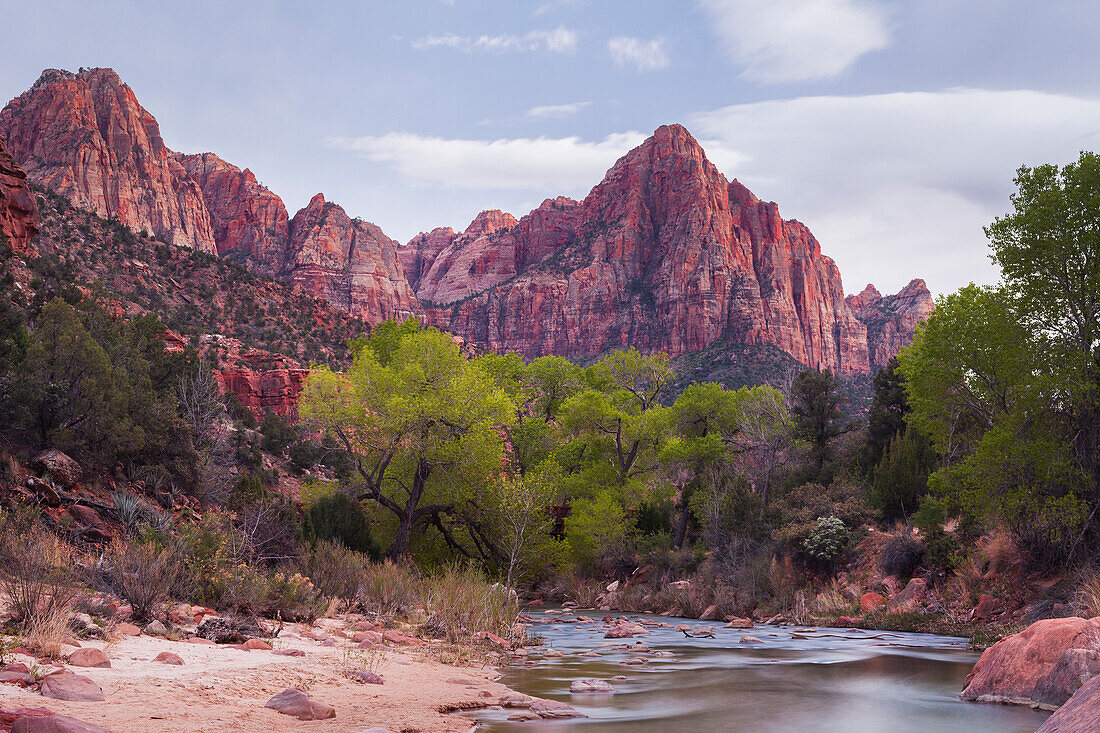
(797, 511)
(337, 517)
(278, 433)
(338, 572)
(36, 572)
(826, 542)
(901, 556)
(389, 588)
(141, 573)
(461, 601)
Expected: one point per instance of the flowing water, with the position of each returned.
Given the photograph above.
(901, 683)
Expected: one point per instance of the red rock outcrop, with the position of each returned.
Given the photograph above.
(349, 262)
(1040, 666)
(18, 209)
(664, 254)
(891, 320)
(249, 221)
(263, 382)
(419, 254)
(86, 137)
(1079, 714)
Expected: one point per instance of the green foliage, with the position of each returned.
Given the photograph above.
(886, 418)
(278, 433)
(900, 479)
(827, 541)
(337, 517)
(385, 339)
(818, 420)
(795, 513)
(596, 526)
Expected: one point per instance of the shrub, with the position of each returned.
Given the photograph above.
(141, 573)
(389, 588)
(461, 601)
(1086, 598)
(133, 513)
(826, 542)
(337, 572)
(901, 556)
(36, 572)
(337, 517)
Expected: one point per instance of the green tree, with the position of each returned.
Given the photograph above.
(886, 418)
(425, 429)
(818, 419)
(900, 480)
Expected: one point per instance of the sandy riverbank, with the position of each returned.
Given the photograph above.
(219, 688)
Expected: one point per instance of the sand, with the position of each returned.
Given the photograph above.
(224, 689)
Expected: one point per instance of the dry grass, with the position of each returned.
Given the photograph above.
(140, 573)
(461, 601)
(831, 602)
(582, 591)
(388, 588)
(44, 631)
(37, 576)
(1086, 598)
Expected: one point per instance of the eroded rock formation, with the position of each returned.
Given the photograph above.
(86, 137)
(18, 210)
(891, 320)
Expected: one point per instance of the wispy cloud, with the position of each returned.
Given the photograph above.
(556, 111)
(642, 55)
(552, 5)
(796, 40)
(558, 40)
(550, 165)
(898, 185)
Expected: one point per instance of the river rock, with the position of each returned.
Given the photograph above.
(1034, 661)
(1079, 714)
(297, 703)
(55, 723)
(71, 688)
(554, 710)
(740, 623)
(89, 657)
(580, 686)
(515, 700)
(169, 658)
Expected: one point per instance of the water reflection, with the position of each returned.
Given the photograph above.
(905, 683)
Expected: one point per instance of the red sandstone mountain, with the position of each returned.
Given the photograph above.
(249, 221)
(664, 254)
(86, 137)
(18, 210)
(349, 262)
(891, 320)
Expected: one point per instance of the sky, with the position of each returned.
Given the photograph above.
(892, 128)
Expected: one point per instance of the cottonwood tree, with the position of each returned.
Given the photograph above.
(425, 429)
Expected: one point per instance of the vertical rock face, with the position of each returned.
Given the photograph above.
(349, 262)
(419, 254)
(86, 137)
(249, 222)
(664, 254)
(18, 209)
(891, 320)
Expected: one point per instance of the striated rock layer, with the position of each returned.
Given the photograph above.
(18, 209)
(664, 254)
(86, 137)
(891, 320)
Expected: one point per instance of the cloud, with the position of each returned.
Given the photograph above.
(642, 55)
(552, 5)
(556, 111)
(898, 185)
(558, 40)
(795, 40)
(548, 165)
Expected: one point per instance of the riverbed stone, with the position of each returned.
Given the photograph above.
(71, 688)
(89, 657)
(55, 723)
(299, 704)
(554, 710)
(583, 686)
(1080, 713)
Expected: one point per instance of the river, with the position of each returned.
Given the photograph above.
(902, 683)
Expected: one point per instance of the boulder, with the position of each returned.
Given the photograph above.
(22, 679)
(71, 688)
(987, 608)
(289, 652)
(1032, 662)
(59, 467)
(1072, 670)
(740, 623)
(55, 723)
(554, 710)
(169, 658)
(254, 644)
(513, 699)
(910, 598)
(581, 686)
(710, 614)
(89, 657)
(871, 602)
(236, 630)
(750, 640)
(365, 677)
(156, 628)
(127, 629)
(297, 703)
(85, 515)
(1079, 714)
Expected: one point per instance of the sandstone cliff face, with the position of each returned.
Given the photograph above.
(891, 320)
(86, 137)
(249, 222)
(664, 254)
(349, 262)
(18, 209)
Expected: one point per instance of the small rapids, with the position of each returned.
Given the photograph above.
(816, 681)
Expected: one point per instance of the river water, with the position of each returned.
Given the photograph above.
(903, 683)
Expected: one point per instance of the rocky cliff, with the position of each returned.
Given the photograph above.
(891, 320)
(18, 210)
(249, 222)
(664, 254)
(86, 137)
(349, 262)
